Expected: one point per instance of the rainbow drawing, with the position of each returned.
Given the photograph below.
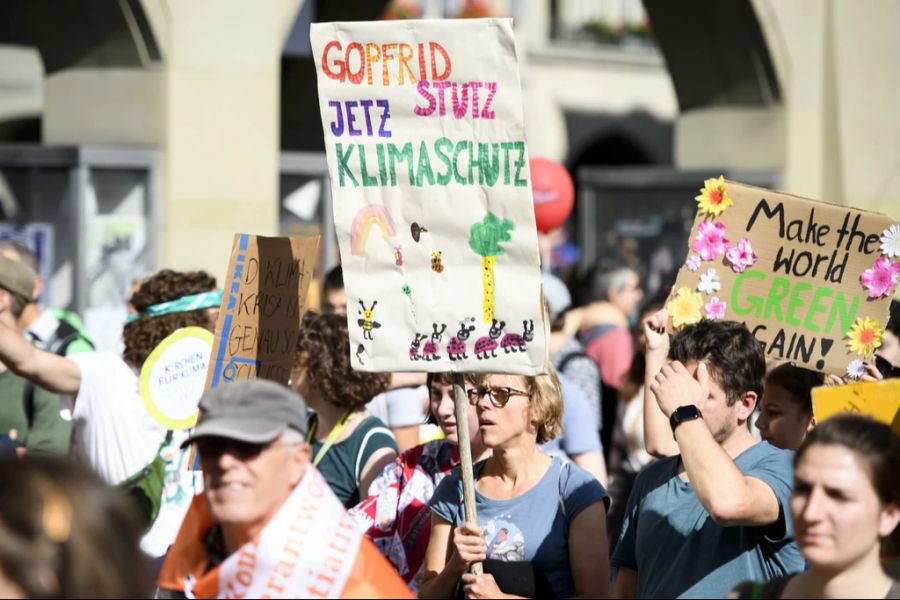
(367, 217)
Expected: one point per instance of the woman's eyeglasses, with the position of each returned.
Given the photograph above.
(499, 395)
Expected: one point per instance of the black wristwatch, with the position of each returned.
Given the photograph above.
(684, 413)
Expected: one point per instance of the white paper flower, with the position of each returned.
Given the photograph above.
(693, 263)
(856, 369)
(890, 241)
(709, 282)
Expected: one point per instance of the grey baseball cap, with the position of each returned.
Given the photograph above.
(16, 278)
(253, 410)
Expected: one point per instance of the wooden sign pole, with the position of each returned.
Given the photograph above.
(465, 454)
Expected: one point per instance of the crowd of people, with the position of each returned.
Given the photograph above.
(644, 463)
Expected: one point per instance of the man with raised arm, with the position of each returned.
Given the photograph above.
(715, 514)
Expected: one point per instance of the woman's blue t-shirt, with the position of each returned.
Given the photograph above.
(533, 526)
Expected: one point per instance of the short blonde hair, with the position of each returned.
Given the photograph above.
(546, 403)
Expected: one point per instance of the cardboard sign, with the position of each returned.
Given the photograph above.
(812, 281)
(262, 305)
(432, 198)
(879, 400)
(173, 376)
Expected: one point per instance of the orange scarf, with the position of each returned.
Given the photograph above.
(310, 548)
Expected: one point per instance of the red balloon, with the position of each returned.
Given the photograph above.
(554, 193)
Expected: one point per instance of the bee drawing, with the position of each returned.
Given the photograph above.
(367, 322)
(436, 265)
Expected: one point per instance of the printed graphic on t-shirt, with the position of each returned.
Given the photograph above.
(505, 540)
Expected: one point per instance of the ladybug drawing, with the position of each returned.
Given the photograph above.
(414, 346)
(488, 343)
(513, 342)
(432, 346)
(456, 347)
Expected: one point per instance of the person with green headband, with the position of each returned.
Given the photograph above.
(113, 432)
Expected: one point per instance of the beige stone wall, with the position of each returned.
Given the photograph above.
(222, 127)
(211, 107)
(835, 59)
(557, 78)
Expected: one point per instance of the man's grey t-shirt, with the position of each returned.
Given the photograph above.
(679, 551)
(532, 526)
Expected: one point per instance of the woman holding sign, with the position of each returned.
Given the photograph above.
(350, 446)
(541, 528)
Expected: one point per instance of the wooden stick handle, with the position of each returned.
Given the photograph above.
(461, 403)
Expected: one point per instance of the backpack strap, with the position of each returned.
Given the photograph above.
(64, 335)
(564, 472)
(567, 358)
(586, 336)
(28, 402)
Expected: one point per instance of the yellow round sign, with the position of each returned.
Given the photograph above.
(173, 377)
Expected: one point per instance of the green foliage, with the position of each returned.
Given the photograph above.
(485, 237)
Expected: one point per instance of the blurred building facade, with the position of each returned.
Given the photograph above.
(211, 107)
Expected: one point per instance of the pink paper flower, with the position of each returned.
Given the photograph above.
(693, 263)
(741, 256)
(715, 308)
(882, 278)
(710, 241)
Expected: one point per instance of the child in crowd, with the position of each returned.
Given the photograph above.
(785, 412)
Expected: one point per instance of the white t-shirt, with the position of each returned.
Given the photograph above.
(116, 435)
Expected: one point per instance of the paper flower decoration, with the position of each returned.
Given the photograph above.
(856, 369)
(713, 198)
(715, 308)
(685, 308)
(882, 278)
(865, 335)
(709, 282)
(741, 256)
(693, 263)
(890, 241)
(710, 241)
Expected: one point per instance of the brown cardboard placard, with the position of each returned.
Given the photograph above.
(793, 270)
(263, 302)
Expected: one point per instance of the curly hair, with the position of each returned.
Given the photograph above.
(323, 350)
(142, 335)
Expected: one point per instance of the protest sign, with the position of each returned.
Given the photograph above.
(812, 281)
(431, 190)
(879, 400)
(173, 377)
(262, 304)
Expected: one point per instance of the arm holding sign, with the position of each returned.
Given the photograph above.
(657, 432)
(50, 371)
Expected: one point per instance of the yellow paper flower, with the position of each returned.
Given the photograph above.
(686, 307)
(865, 336)
(714, 198)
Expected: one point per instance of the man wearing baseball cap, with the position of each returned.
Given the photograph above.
(29, 415)
(267, 523)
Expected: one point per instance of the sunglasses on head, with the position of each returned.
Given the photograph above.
(499, 395)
